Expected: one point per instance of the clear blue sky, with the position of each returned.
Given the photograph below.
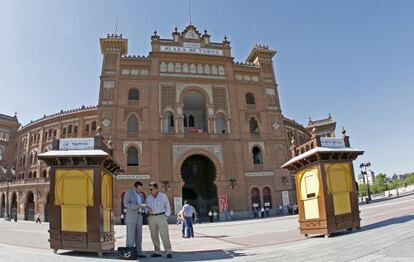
(353, 59)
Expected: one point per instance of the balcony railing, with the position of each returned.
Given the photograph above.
(26, 181)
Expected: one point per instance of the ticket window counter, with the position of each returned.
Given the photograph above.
(81, 190)
(325, 185)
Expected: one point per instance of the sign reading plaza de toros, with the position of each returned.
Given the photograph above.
(191, 50)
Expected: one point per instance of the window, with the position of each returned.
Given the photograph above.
(1, 154)
(64, 131)
(221, 123)
(54, 132)
(132, 124)
(44, 173)
(75, 129)
(133, 95)
(70, 129)
(185, 120)
(87, 128)
(168, 123)
(254, 127)
(250, 99)
(132, 158)
(93, 126)
(257, 156)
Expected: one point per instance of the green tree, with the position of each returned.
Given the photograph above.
(380, 184)
(362, 190)
(409, 180)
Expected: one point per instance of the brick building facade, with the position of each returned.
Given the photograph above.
(186, 115)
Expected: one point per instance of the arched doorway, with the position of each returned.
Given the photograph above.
(13, 208)
(2, 205)
(267, 198)
(255, 197)
(199, 174)
(47, 208)
(29, 209)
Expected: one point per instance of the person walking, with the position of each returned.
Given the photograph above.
(180, 220)
(38, 218)
(262, 212)
(158, 211)
(188, 212)
(134, 204)
(210, 215)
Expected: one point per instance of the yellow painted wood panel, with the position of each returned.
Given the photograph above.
(74, 219)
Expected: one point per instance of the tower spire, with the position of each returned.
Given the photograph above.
(189, 10)
(116, 24)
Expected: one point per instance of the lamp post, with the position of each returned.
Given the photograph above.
(8, 179)
(365, 173)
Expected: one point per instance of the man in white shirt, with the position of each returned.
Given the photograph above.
(158, 211)
(134, 204)
(188, 211)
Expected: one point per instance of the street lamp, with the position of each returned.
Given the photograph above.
(8, 179)
(365, 173)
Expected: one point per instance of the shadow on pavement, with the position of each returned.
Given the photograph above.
(388, 222)
(177, 256)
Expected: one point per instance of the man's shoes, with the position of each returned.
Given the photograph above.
(141, 256)
(156, 255)
(169, 255)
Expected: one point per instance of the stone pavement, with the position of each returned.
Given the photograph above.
(387, 234)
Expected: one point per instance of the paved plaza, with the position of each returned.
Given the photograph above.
(387, 234)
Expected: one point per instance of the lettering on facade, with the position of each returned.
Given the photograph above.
(191, 50)
(76, 143)
(253, 174)
(332, 142)
(133, 177)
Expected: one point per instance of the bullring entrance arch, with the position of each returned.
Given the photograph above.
(199, 175)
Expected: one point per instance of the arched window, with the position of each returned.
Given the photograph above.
(132, 158)
(75, 129)
(132, 124)
(250, 99)
(191, 121)
(257, 156)
(168, 123)
(221, 123)
(93, 126)
(267, 197)
(64, 131)
(50, 132)
(255, 197)
(254, 127)
(70, 129)
(133, 94)
(54, 132)
(44, 173)
(87, 127)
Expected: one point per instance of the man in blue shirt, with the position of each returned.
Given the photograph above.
(134, 203)
(188, 212)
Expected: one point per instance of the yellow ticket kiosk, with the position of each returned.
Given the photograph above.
(325, 185)
(81, 176)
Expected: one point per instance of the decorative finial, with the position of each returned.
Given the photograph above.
(155, 32)
(205, 31)
(343, 131)
(110, 143)
(329, 116)
(225, 38)
(99, 130)
(310, 119)
(175, 29)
